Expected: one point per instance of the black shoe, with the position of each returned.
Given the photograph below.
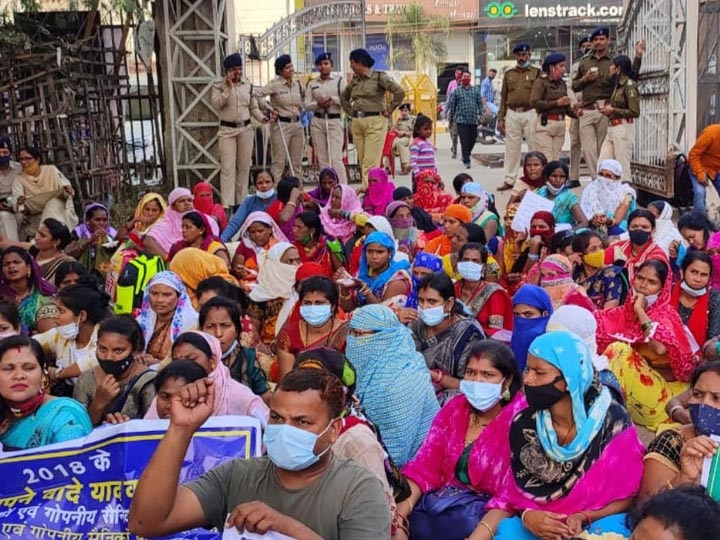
(573, 184)
(467, 164)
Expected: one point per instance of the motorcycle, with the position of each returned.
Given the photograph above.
(486, 129)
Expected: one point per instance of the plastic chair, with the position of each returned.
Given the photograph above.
(387, 152)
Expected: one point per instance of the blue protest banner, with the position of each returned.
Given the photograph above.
(82, 489)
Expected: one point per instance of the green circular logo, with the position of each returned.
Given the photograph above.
(505, 10)
(508, 10)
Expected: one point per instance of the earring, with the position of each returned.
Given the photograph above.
(506, 395)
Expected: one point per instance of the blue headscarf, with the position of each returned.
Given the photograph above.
(377, 283)
(525, 330)
(569, 354)
(422, 260)
(393, 382)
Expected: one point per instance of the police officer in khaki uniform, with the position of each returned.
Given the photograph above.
(234, 103)
(364, 99)
(622, 109)
(404, 128)
(286, 100)
(550, 99)
(516, 118)
(586, 49)
(322, 96)
(593, 79)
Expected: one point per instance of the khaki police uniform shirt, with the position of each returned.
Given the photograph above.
(405, 125)
(516, 89)
(286, 97)
(235, 103)
(602, 87)
(625, 99)
(367, 93)
(319, 89)
(545, 94)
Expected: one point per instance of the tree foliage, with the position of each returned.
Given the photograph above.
(425, 34)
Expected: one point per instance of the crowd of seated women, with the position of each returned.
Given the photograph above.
(496, 380)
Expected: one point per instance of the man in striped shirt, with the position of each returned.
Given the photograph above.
(465, 105)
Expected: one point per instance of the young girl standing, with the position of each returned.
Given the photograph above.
(422, 151)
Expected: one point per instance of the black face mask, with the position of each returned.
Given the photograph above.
(544, 396)
(111, 367)
(639, 237)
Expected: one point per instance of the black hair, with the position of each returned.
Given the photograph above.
(66, 268)
(460, 180)
(537, 155)
(657, 205)
(696, 255)
(553, 166)
(476, 246)
(660, 267)
(33, 151)
(285, 187)
(624, 64)
(642, 213)
(475, 233)
(58, 231)
(312, 221)
(501, 357)
(333, 361)
(420, 122)
(581, 241)
(124, 325)
(258, 173)
(560, 241)
(187, 370)
(16, 342)
(332, 392)
(22, 253)
(92, 209)
(321, 284)
(401, 193)
(10, 313)
(712, 367)
(224, 289)
(687, 509)
(441, 282)
(196, 340)
(695, 221)
(196, 219)
(232, 309)
(85, 296)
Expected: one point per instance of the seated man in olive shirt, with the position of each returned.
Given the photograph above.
(299, 489)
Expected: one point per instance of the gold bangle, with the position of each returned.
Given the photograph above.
(522, 517)
(488, 527)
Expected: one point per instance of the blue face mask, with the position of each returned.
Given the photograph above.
(4, 161)
(705, 418)
(483, 396)
(469, 270)
(524, 64)
(265, 194)
(695, 293)
(291, 448)
(433, 316)
(316, 315)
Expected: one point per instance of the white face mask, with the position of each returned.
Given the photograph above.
(651, 299)
(554, 190)
(265, 194)
(68, 331)
(470, 270)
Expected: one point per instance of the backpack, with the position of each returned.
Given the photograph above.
(133, 280)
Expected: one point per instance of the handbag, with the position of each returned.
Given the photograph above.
(450, 513)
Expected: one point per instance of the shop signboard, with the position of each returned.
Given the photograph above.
(498, 13)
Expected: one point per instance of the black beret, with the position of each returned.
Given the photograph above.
(585, 39)
(552, 59)
(521, 48)
(234, 60)
(323, 56)
(600, 31)
(363, 57)
(282, 61)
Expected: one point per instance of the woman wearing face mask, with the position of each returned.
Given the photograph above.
(482, 206)
(257, 235)
(556, 279)
(121, 387)
(567, 448)
(566, 209)
(80, 310)
(403, 227)
(392, 380)
(260, 201)
(337, 216)
(197, 233)
(604, 283)
(381, 279)
(319, 324)
(607, 200)
(532, 178)
(639, 248)
(452, 218)
(697, 304)
(646, 345)
(489, 303)
(676, 456)
(170, 380)
(165, 313)
(311, 243)
(231, 397)
(532, 308)
(466, 232)
(443, 334)
(34, 418)
(467, 442)
(220, 317)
